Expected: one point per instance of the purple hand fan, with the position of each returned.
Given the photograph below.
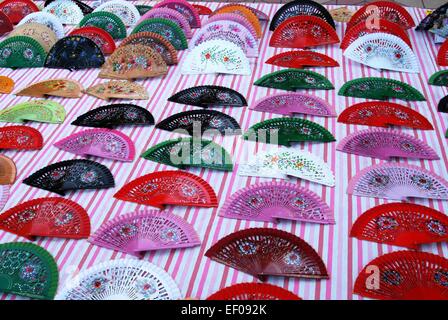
(386, 144)
(104, 143)
(145, 230)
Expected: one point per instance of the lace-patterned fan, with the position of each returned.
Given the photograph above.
(243, 11)
(21, 52)
(183, 7)
(166, 28)
(107, 21)
(5, 24)
(172, 15)
(294, 79)
(209, 96)
(233, 17)
(34, 110)
(302, 58)
(53, 87)
(20, 138)
(8, 171)
(47, 19)
(42, 34)
(16, 10)
(121, 279)
(101, 38)
(253, 291)
(125, 10)
(86, 9)
(6, 84)
(398, 181)
(118, 90)
(67, 11)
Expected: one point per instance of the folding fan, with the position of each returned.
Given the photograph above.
(260, 14)
(442, 106)
(386, 144)
(6, 84)
(70, 175)
(143, 8)
(5, 24)
(439, 78)
(47, 19)
(233, 17)
(121, 279)
(107, 21)
(398, 181)
(134, 61)
(283, 131)
(263, 252)
(20, 138)
(166, 28)
(162, 188)
(28, 270)
(209, 96)
(39, 32)
(245, 12)
(405, 275)
(145, 230)
(169, 14)
(4, 195)
(294, 79)
(190, 152)
(387, 10)
(380, 89)
(202, 10)
(104, 143)
(115, 115)
(86, 9)
(21, 52)
(442, 54)
(435, 17)
(302, 58)
(253, 291)
(200, 122)
(384, 114)
(303, 32)
(125, 10)
(341, 14)
(277, 200)
(47, 217)
(117, 89)
(35, 110)
(17, 9)
(65, 88)
(101, 38)
(290, 103)
(8, 171)
(183, 7)
(67, 11)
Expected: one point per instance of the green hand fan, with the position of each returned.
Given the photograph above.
(21, 52)
(166, 28)
(439, 78)
(35, 110)
(293, 79)
(109, 22)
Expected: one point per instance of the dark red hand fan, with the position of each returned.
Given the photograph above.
(162, 188)
(101, 38)
(253, 291)
(442, 54)
(20, 138)
(404, 275)
(5, 23)
(16, 10)
(302, 58)
(401, 224)
(47, 217)
(202, 10)
(264, 252)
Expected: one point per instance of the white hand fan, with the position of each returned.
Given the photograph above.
(127, 12)
(47, 19)
(68, 12)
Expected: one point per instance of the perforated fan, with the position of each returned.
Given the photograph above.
(397, 181)
(21, 52)
(190, 152)
(341, 14)
(202, 10)
(34, 110)
(253, 291)
(20, 138)
(302, 58)
(405, 275)
(118, 90)
(290, 103)
(104, 143)
(115, 115)
(183, 7)
(65, 88)
(386, 144)
(260, 14)
(166, 28)
(263, 252)
(145, 230)
(8, 171)
(381, 89)
(47, 19)
(277, 200)
(125, 10)
(121, 279)
(64, 176)
(209, 96)
(28, 270)
(169, 14)
(200, 122)
(5, 24)
(233, 17)
(107, 21)
(6, 84)
(16, 10)
(86, 9)
(162, 188)
(39, 32)
(67, 11)
(439, 78)
(47, 217)
(244, 11)
(434, 17)
(294, 79)
(442, 106)
(101, 38)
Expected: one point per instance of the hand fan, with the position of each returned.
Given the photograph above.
(443, 105)
(104, 143)
(283, 131)
(47, 217)
(277, 200)
(143, 8)
(387, 10)
(70, 175)
(253, 291)
(302, 32)
(380, 89)
(107, 21)
(200, 122)
(8, 171)
(21, 52)
(20, 138)
(35, 110)
(183, 7)
(145, 230)
(384, 114)
(386, 144)
(260, 14)
(263, 252)
(302, 58)
(202, 10)
(115, 115)
(118, 90)
(294, 79)
(169, 14)
(162, 188)
(39, 32)
(101, 38)
(28, 270)
(442, 54)
(383, 51)
(47, 19)
(244, 11)
(342, 14)
(156, 42)
(16, 10)
(6, 84)
(216, 56)
(86, 9)
(166, 28)
(290, 103)
(67, 11)
(439, 78)
(190, 152)
(209, 96)
(65, 88)
(401, 224)
(299, 8)
(125, 10)
(5, 24)
(434, 18)
(405, 275)
(233, 17)
(398, 181)
(121, 279)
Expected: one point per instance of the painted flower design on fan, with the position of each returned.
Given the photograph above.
(299, 202)
(63, 218)
(408, 146)
(27, 215)
(441, 277)
(310, 80)
(422, 181)
(57, 174)
(28, 54)
(401, 115)
(293, 258)
(169, 235)
(6, 53)
(128, 230)
(21, 140)
(363, 114)
(279, 79)
(131, 115)
(391, 277)
(149, 187)
(379, 180)
(436, 227)
(30, 272)
(189, 191)
(386, 223)
(255, 202)
(146, 287)
(89, 176)
(97, 285)
(247, 248)
(398, 89)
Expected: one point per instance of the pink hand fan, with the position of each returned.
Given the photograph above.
(170, 14)
(235, 18)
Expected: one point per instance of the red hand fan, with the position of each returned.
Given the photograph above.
(101, 38)
(442, 54)
(404, 275)
(47, 217)
(202, 10)
(20, 138)
(5, 23)
(16, 10)
(253, 291)
(302, 58)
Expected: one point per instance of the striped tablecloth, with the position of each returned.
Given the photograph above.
(196, 275)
